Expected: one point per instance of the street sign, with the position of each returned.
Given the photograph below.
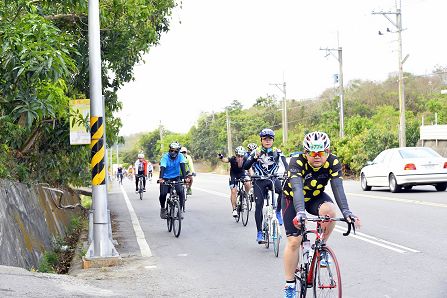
(79, 111)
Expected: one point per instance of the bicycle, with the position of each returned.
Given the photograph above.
(140, 186)
(242, 202)
(320, 270)
(173, 212)
(270, 222)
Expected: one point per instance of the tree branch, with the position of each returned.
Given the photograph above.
(67, 17)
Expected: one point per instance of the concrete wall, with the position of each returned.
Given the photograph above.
(439, 146)
(30, 220)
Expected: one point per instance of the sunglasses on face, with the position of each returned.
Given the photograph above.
(183, 152)
(318, 153)
(173, 150)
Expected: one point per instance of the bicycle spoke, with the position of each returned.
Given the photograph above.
(327, 279)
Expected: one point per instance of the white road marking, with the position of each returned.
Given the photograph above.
(150, 267)
(377, 241)
(408, 201)
(142, 243)
(360, 236)
(182, 255)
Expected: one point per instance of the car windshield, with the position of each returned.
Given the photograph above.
(418, 153)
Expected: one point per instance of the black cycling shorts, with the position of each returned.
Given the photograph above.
(232, 182)
(312, 206)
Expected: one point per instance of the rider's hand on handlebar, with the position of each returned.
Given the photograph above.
(160, 180)
(352, 218)
(299, 219)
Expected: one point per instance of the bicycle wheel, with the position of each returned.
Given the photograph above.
(276, 237)
(176, 219)
(266, 233)
(326, 277)
(169, 216)
(252, 198)
(140, 191)
(245, 208)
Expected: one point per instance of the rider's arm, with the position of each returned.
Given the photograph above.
(163, 163)
(296, 181)
(250, 160)
(191, 165)
(337, 187)
(183, 170)
(162, 171)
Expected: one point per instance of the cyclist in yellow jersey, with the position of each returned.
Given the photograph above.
(190, 172)
(308, 174)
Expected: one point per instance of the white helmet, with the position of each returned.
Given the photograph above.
(240, 151)
(140, 155)
(316, 141)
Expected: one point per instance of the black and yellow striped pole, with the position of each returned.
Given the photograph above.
(101, 245)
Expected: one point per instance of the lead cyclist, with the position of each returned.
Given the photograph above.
(308, 174)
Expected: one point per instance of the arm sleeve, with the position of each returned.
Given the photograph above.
(162, 171)
(339, 194)
(298, 196)
(182, 170)
(250, 160)
(191, 165)
(284, 162)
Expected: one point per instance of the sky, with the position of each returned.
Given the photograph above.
(218, 51)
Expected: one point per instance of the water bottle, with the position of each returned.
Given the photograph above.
(306, 249)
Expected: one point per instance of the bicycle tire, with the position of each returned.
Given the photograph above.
(140, 191)
(169, 216)
(276, 237)
(327, 279)
(245, 208)
(266, 234)
(176, 220)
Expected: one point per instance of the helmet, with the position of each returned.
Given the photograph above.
(175, 145)
(140, 155)
(184, 150)
(252, 146)
(239, 151)
(316, 141)
(267, 132)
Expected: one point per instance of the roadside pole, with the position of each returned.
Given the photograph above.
(101, 247)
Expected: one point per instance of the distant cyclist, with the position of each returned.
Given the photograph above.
(172, 168)
(308, 174)
(150, 169)
(237, 171)
(266, 161)
(140, 171)
(189, 169)
(119, 174)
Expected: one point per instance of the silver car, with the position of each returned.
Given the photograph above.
(405, 167)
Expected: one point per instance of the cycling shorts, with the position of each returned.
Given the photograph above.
(232, 182)
(312, 207)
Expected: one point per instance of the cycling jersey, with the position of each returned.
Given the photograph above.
(313, 181)
(172, 166)
(268, 161)
(236, 168)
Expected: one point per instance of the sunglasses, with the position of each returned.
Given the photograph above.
(173, 150)
(183, 152)
(318, 153)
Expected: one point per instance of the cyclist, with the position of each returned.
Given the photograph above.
(150, 169)
(172, 168)
(265, 161)
(308, 174)
(189, 169)
(119, 174)
(140, 170)
(251, 147)
(237, 171)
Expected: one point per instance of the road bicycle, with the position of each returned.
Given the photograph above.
(318, 267)
(242, 202)
(173, 212)
(270, 224)
(140, 186)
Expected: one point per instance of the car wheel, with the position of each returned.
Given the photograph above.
(394, 187)
(364, 183)
(441, 186)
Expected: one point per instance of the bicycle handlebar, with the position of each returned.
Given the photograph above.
(320, 219)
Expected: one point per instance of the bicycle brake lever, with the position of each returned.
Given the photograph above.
(349, 229)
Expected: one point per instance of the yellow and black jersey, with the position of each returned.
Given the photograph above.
(314, 179)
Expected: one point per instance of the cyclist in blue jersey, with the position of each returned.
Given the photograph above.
(308, 174)
(265, 161)
(172, 168)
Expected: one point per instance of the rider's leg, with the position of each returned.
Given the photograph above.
(181, 193)
(330, 210)
(259, 192)
(144, 182)
(233, 197)
(136, 184)
(247, 186)
(278, 190)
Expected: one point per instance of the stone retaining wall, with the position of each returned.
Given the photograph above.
(30, 220)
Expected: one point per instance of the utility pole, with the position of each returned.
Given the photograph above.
(340, 81)
(101, 245)
(229, 142)
(398, 25)
(161, 137)
(284, 112)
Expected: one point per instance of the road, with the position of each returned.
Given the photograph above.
(399, 251)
